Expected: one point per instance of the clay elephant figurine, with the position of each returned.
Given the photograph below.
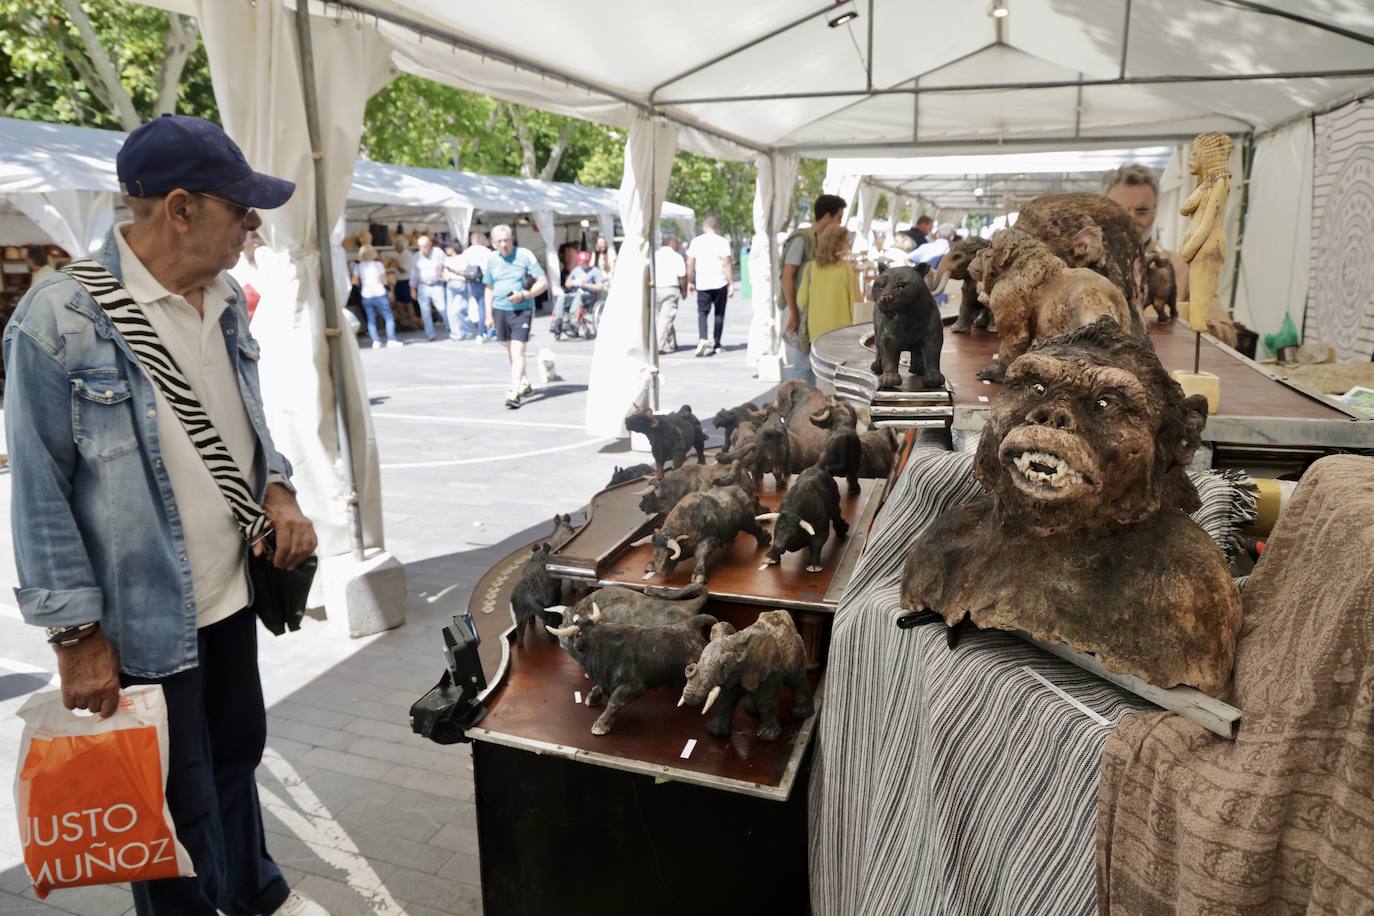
(758, 661)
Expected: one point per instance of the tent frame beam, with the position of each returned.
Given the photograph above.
(1060, 140)
(1264, 10)
(523, 63)
(1363, 72)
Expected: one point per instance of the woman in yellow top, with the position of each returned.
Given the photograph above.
(829, 286)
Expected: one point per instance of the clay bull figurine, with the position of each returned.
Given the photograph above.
(537, 592)
(805, 516)
(625, 660)
(671, 435)
(652, 607)
(796, 400)
(757, 661)
(662, 495)
(699, 525)
(773, 451)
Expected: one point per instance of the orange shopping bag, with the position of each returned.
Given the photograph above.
(90, 793)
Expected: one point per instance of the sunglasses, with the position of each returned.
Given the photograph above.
(239, 210)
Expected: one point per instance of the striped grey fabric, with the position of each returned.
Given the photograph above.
(965, 781)
(157, 363)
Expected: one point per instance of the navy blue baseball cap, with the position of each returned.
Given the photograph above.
(179, 151)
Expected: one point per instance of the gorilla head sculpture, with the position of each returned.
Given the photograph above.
(1083, 534)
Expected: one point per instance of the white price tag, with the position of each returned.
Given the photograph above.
(982, 399)
(688, 748)
(577, 697)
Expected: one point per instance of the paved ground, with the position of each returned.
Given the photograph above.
(363, 815)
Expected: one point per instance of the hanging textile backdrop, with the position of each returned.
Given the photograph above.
(774, 180)
(76, 220)
(621, 368)
(1278, 227)
(1340, 289)
(256, 75)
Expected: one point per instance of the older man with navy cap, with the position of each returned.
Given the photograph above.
(128, 553)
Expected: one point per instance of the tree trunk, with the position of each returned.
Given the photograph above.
(556, 154)
(178, 47)
(120, 102)
(522, 135)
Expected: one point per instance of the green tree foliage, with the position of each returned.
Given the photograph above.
(47, 75)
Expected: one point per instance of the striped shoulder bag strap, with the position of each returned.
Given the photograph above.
(157, 363)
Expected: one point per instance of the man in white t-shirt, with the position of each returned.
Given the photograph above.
(709, 271)
(670, 285)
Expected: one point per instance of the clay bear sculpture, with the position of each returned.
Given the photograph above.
(661, 495)
(906, 320)
(1083, 534)
(1057, 220)
(626, 660)
(805, 517)
(773, 451)
(727, 420)
(756, 662)
(700, 524)
(954, 266)
(671, 435)
(1035, 295)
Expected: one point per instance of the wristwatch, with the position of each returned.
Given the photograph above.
(66, 637)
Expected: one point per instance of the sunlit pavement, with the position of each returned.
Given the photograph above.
(362, 815)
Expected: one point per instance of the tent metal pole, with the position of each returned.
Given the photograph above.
(739, 49)
(1247, 159)
(1295, 17)
(1357, 73)
(868, 58)
(522, 63)
(1125, 41)
(332, 315)
(1358, 96)
(1063, 141)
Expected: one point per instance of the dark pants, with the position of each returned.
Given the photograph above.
(706, 300)
(217, 728)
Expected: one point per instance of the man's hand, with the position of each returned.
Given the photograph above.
(295, 535)
(793, 320)
(89, 672)
(491, 318)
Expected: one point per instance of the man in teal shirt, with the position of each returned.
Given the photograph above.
(510, 306)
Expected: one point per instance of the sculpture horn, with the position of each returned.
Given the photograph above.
(682, 699)
(674, 549)
(711, 698)
(564, 632)
(806, 526)
(767, 517)
(560, 609)
(644, 492)
(596, 613)
(647, 539)
(821, 416)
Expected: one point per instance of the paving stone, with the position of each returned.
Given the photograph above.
(14, 905)
(383, 847)
(465, 867)
(353, 688)
(313, 735)
(310, 715)
(411, 751)
(430, 890)
(444, 784)
(342, 762)
(365, 708)
(386, 731)
(287, 748)
(100, 900)
(336, 896)
(414, 825)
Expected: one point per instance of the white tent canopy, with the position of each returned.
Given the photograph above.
(58, 180)
(952, 184)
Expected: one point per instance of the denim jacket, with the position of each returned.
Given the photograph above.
(96, 530)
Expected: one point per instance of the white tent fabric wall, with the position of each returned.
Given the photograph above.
(1278, 232)
(1174, 187)
(256, 77)
(76, 220)
(622, 365)
(543, 221)
(774, 178)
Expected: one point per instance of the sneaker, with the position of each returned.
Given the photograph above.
(526, 391)
(513, 400)
(394, 344)
(702, 347)
(300, 905)
(716, 349)
(483, 338)
(376, 345)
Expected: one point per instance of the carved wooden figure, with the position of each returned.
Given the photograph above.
(1204, 244)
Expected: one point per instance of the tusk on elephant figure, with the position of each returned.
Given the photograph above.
(940, 287)
(710, 698)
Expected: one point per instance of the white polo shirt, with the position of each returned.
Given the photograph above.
(214, 546)
(669, 267)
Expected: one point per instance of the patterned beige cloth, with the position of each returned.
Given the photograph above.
(1282, 819)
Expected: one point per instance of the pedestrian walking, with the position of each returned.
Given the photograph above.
(474, 270)
(427, 280)
(126, 548)
(514, 279)
(401, 260)
(371, 277)
(456, 314)
(670, 286)
(709, 272)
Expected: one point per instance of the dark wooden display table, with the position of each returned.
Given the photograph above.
(600, 553)
(1257, 407)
